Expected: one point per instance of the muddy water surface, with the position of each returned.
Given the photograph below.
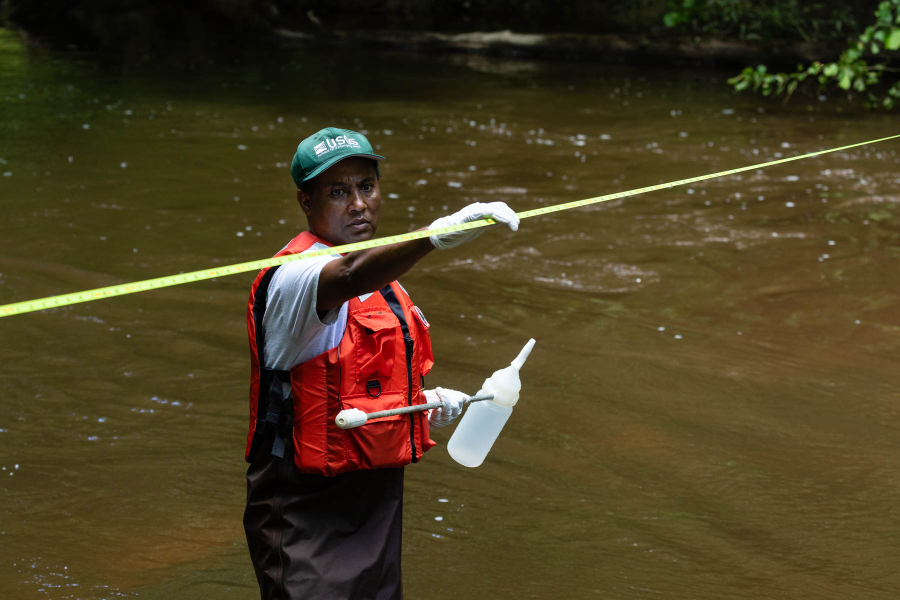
(710, 410)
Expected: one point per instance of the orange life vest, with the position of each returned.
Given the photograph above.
(379, 364)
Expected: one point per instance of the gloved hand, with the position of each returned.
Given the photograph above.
(452, 405)
(498, 211)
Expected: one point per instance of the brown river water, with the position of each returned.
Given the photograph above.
(711, 410)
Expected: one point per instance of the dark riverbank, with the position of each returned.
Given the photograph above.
(611, 47)
(193, 30)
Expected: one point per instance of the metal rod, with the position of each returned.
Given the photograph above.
(420, 407)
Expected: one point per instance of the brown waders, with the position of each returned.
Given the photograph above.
(312, 536)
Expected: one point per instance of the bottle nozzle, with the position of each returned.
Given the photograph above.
(523, 355)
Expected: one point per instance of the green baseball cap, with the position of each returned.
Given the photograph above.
(325, 148)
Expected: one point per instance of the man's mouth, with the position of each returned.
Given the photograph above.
(358, 224)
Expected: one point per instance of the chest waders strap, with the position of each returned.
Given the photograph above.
(274, 404)
(276, 385)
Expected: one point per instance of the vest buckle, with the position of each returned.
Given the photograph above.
(373, 388)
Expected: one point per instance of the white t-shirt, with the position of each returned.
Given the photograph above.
(293, 331)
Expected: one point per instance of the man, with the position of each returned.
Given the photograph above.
(324, 505)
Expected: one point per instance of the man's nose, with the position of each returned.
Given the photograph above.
(356, 201)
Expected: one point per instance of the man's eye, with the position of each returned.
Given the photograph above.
(368, 187)
(337, 192)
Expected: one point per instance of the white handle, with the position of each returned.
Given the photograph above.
(353, 417)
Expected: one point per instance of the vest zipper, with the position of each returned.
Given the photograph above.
(408, 342)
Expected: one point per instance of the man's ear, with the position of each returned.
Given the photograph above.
(303, 199)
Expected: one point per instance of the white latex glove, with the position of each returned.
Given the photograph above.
(452, 405)
(498, 211)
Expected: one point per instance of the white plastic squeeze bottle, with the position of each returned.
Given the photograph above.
(483, 421)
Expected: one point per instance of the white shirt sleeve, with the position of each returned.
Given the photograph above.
(292, 329)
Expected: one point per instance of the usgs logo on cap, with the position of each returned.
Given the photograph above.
(340, 141)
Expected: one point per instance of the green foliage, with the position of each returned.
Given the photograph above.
(762, 20)
(851, 72)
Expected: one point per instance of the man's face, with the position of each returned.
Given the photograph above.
(345, 202)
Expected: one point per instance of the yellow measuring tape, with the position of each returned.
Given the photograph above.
(160, 282)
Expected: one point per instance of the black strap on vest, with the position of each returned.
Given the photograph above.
(391, 298)
(274, 402)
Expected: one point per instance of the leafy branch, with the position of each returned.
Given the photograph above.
(763, 19)
(851, 72)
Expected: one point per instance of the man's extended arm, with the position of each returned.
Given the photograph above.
(367, 271)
